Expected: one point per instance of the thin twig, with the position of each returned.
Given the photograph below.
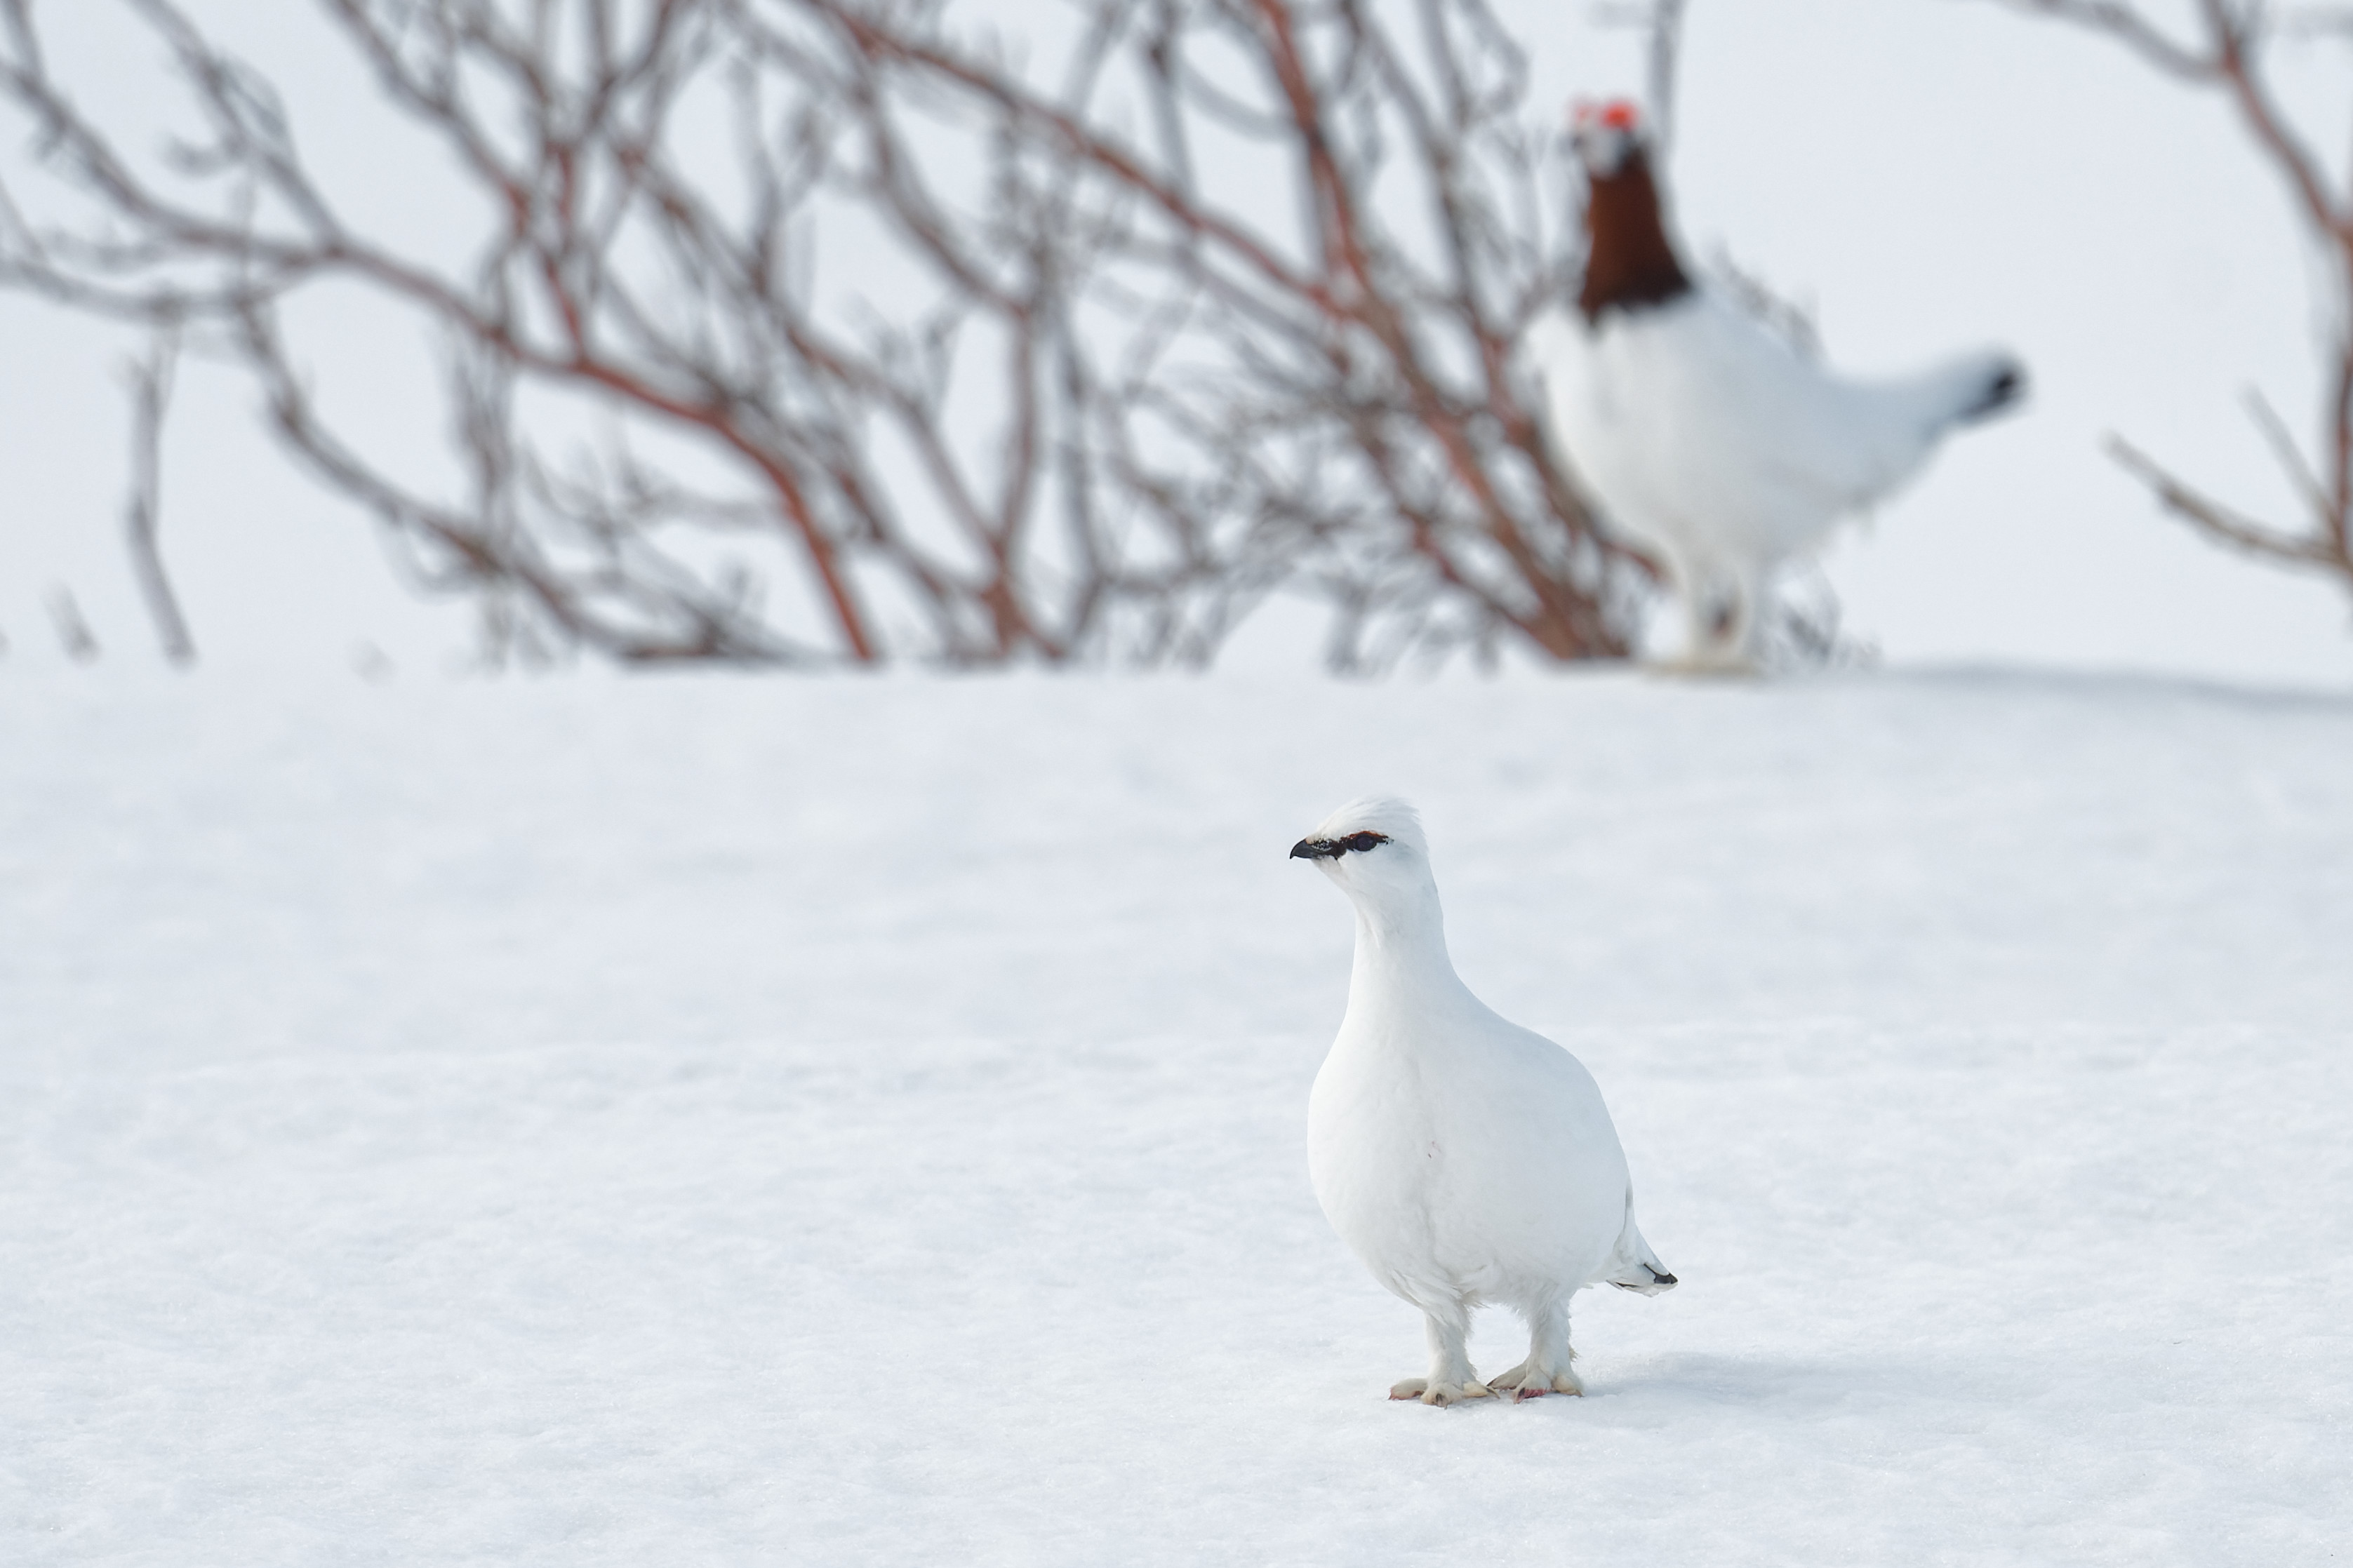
(151, 391)
(2228, 56)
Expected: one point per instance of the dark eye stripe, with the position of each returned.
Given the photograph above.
(1363, 840)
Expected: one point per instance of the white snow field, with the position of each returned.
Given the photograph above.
(712, 1121)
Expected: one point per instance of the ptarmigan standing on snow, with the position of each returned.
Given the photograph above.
(1466, 1160)
(1701, 433)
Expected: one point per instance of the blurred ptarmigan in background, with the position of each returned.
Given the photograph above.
(1466, 1160)
(1700, 432)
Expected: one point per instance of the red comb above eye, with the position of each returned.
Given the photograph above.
(1620, 114)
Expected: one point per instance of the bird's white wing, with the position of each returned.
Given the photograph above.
(1694, 425)
(1767, 449)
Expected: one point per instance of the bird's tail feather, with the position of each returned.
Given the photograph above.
(1971, 388)
(1633, 1266)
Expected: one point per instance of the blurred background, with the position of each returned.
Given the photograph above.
(816, 339)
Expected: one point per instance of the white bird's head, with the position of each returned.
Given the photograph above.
(1372, 848)
(1606, 136)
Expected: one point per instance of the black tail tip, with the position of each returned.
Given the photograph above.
(1660, 1280)
(2004, 387)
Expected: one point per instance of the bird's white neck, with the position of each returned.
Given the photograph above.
(1402, 963)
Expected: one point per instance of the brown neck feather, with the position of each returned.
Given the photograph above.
(1628, 262)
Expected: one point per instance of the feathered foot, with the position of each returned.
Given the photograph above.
(1446, 1323)
(1547, 1368)
(1521, 1383)
(1431, 1393)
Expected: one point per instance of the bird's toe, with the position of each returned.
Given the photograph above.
(1522, 1383)
(1431, 1393)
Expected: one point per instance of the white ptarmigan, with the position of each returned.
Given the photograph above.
(1698, 431)
(1466, 1160)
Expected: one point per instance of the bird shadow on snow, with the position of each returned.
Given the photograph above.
(1668, 1389)
(1642, 1386)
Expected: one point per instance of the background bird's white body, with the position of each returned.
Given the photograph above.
(1465, 1160)
(1702, 434)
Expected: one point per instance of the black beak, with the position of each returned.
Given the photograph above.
(1316, 849)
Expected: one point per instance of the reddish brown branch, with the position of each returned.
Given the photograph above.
(1178, 413)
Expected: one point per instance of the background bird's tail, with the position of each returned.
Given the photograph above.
(1972, 388)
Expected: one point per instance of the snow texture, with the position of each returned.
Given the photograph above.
(712, 1122)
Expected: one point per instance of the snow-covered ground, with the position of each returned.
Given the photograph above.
(721, 1121)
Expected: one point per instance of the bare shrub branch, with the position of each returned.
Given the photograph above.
(74, 636)
(2227, 55)
(151, 397)
(1101, 396)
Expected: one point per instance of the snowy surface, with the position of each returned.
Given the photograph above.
(725, 1122)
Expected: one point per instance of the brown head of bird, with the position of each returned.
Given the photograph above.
(1629, 263)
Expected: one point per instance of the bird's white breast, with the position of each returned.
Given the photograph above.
(1458, 1150)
